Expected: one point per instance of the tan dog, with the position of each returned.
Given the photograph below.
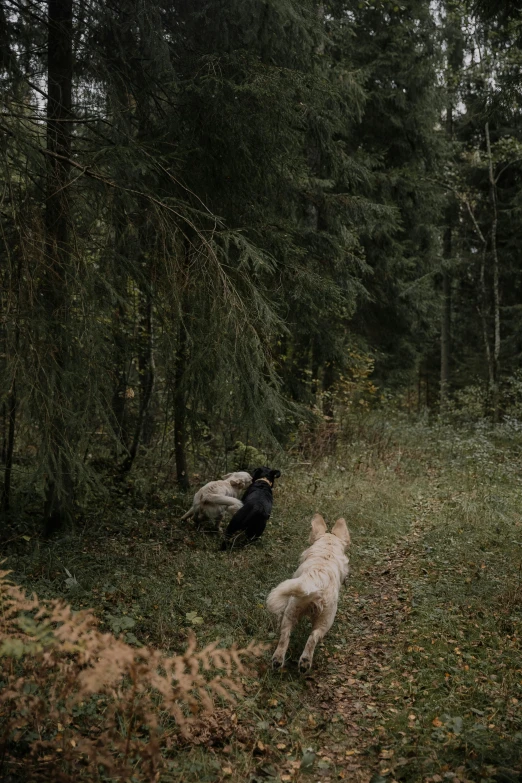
(313, 590)
(215, 498)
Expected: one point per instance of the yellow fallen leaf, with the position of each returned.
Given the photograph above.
(273, 703)
(350, 753)
(281, 746)
(260, 745)
(436, 722)
(226, 770)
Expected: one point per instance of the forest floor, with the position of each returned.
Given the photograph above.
(420, 678)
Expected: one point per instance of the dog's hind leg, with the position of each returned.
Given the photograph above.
(321, 624)
(256, 529)
(288, 621)
(222, 503)
(240, 521)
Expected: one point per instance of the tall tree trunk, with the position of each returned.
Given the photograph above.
(454, 43)
(445, 324)
(496, 285)
(180, 430)
(59, 488)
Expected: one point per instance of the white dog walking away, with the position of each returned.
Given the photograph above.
(215, 498)
(313, 590)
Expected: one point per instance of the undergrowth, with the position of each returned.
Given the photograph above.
(75, 701)
(420, 677)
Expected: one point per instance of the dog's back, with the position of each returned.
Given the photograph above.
(313, 590)
(213, 498)
(257, 507)
(316, 582)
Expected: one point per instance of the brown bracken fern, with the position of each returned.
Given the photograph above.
(75, 702)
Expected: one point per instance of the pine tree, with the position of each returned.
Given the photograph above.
(397, 48)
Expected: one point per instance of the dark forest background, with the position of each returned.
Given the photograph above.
(226, 224)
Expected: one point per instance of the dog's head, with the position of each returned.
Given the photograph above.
(339, 530)
(239, 480)
(266, 473)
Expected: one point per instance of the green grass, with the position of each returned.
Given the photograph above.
(420, 678)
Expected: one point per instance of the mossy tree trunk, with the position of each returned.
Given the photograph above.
(59, 490)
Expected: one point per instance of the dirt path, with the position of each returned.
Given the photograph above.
(356, 694)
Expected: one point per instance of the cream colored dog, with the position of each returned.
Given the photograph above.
(215, 498)
(313, 590)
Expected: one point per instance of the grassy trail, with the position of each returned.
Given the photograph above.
(420, 678)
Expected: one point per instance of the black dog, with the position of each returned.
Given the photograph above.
(257, 505)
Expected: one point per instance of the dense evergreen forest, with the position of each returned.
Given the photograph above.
(219, 220)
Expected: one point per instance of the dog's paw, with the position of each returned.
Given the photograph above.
(305, 664)
(277, 662)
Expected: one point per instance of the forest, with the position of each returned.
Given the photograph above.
(260, 233)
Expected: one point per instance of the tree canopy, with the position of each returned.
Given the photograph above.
(216, 215)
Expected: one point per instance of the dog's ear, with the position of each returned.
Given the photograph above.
(341, 531)
(273, 475)
(224, 478)
(258, 472)
(237, 482)
(318, 528)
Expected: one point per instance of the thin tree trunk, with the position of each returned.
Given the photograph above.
(496, 287)
(483, 307)
(149, 370)
(329, 378)
(454, 53)
(59, 496)
(445, 331)
(180, 430)
(482, 312)
(12, 405)
(445, 325)
(119, 398)
(316, 368)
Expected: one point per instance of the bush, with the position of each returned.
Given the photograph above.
(74, 700)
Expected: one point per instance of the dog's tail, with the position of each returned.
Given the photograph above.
(190, 513)
(291, 588)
